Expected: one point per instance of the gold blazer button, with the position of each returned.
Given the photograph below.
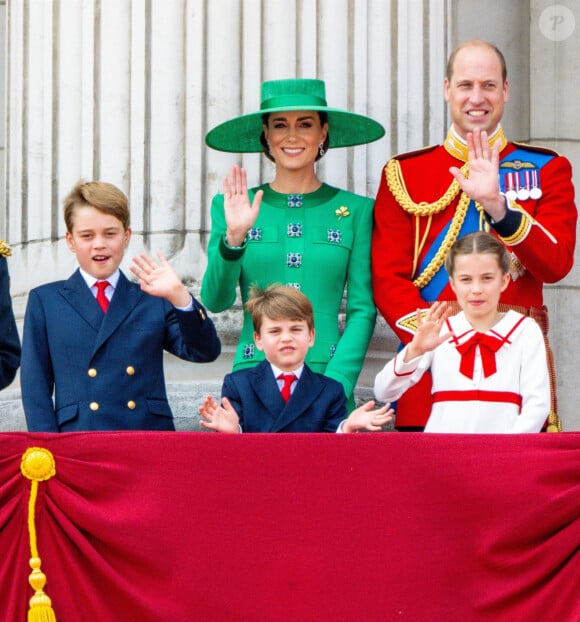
(92, 372)
(94, 406)
(131, 405)
(130, 370)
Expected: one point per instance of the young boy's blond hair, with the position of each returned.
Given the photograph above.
(101, 195)
(279, 302)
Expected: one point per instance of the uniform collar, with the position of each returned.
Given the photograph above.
(457, 146)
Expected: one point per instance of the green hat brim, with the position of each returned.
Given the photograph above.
(242, 134)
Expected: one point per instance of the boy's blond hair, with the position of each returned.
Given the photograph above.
(101, 195)
(278, 302)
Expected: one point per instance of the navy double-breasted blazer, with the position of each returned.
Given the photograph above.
(105, 370)
(9, 340)
(317, 404)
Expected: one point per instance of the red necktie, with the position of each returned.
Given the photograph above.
(288, 380)
(488, 346)
(101, 298)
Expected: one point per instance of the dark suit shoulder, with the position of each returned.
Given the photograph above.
(259, 369)
(329, 382)
(249, 374)
(53, 286)
(234, 375)
(128, 281)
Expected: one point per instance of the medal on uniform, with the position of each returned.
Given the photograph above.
(523, 188)
(524, 185)
(535, 190)
(510, 186)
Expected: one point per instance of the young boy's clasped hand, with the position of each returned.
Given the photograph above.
(364, 418)
(221, 418)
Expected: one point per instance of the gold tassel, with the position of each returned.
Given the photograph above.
(37, 465)
(5, 250)
(554, 423)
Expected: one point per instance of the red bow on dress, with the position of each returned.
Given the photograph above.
(488, 346)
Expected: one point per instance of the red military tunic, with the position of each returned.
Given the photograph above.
(417, 200)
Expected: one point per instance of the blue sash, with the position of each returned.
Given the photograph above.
(437, 284)
(531, 160)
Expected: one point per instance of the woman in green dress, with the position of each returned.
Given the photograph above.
(296, 230)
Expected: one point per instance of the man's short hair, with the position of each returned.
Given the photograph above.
(475, 43)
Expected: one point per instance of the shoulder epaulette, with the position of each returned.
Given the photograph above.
(536, 148)
(5, 250)
(412, 154)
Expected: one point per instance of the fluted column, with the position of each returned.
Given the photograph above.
(125, 90)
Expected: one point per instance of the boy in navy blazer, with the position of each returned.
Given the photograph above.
(92, 348)
(282, 394)
(9, 340)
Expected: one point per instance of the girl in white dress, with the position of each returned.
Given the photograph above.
(490, 373)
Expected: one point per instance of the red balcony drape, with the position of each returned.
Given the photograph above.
(178, 527)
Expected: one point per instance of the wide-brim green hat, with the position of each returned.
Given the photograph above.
(345, 129)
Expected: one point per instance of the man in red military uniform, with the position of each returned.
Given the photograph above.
(475, 180)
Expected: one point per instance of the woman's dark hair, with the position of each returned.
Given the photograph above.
(325, 145)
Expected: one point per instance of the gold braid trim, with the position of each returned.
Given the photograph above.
(522, 230)
(425, 277)
(397, 186)
(396, 183)
(5, 250)
(519, 235)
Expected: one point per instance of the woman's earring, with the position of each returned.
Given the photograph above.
(321, 150)
(269, 148)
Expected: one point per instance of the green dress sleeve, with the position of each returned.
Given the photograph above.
(224, 264)
(347, 362)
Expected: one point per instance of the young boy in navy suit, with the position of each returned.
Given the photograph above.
(96, 340)
(282, 394)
